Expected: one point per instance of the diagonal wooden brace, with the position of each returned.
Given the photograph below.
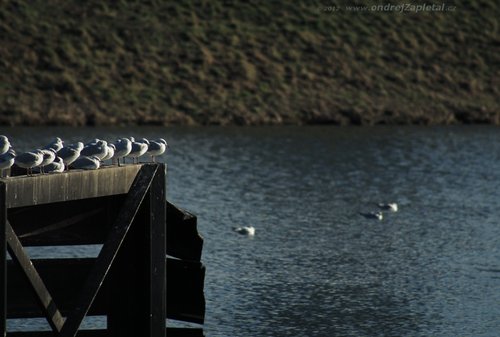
(19, 255)
(109, 250)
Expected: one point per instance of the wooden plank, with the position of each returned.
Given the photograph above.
(185, 297)
(81, 333)
(156, 228)
(171, 332)
(49, 307)
(21, 302)
(110, 248)
(71, 185)
(183, 240)
(78, 222)
(3, 266)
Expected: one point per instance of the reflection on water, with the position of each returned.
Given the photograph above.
(317, 268)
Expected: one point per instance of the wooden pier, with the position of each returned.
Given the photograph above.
(148, 269)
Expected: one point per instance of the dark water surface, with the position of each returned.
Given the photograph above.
(315, 266)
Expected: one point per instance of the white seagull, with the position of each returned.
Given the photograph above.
(372, 215)
(56, 144)
(156, 148)
(111, 152)
(4, 144)
(392, 206)
(245, 230)
(70, 153)
(123, 146)
(56, 166)
(98, 148)
(29, 160)
(138, 149)
(48, 157)
(6, 161)
(86, 163)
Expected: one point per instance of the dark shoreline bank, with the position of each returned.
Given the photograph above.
(155, 63)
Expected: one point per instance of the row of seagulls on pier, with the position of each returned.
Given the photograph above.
(55, 157)
(379, 215)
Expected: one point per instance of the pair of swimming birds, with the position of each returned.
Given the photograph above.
(378, 215)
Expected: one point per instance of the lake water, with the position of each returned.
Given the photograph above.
(315, 267)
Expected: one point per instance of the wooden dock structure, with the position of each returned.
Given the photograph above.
(148, 269)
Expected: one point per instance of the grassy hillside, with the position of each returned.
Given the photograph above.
(264, 62)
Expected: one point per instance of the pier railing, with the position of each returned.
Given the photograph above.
(148, 268)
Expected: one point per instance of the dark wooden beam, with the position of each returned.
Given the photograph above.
(110, 248)
(3, 262)
(46, 302)
(171, 332)
(184, 286)
(71, 185)
(183, 240)
(156, 232)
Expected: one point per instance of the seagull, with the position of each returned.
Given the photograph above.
(138, 149)
(86, 163)
(6, 161)
(70, 153)
(48, 157)
(56, 166)
(372, 215)
(4, 144)
(56, 144)
(392, 206)
(156, 148)
(98, 149)
(123, 147)
(111, 152)
(245, 230)
(29, 160)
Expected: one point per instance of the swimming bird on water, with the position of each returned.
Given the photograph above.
(29, 160)
(372, 215)
(392, 206)
(6, 161)
(4, 144)
(245, 230)
(156, 148)
(86, 163)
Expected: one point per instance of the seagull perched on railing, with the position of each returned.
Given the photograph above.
(70, 153)
(56, 144)
(138, 149)
(98, 148)
(56, 166)
(6, 161)
(86, 163)
(29, 160)
(4, 144)
(156, 148)
(123, 146)
(48, 157)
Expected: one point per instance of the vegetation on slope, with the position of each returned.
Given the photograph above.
(245, 62)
